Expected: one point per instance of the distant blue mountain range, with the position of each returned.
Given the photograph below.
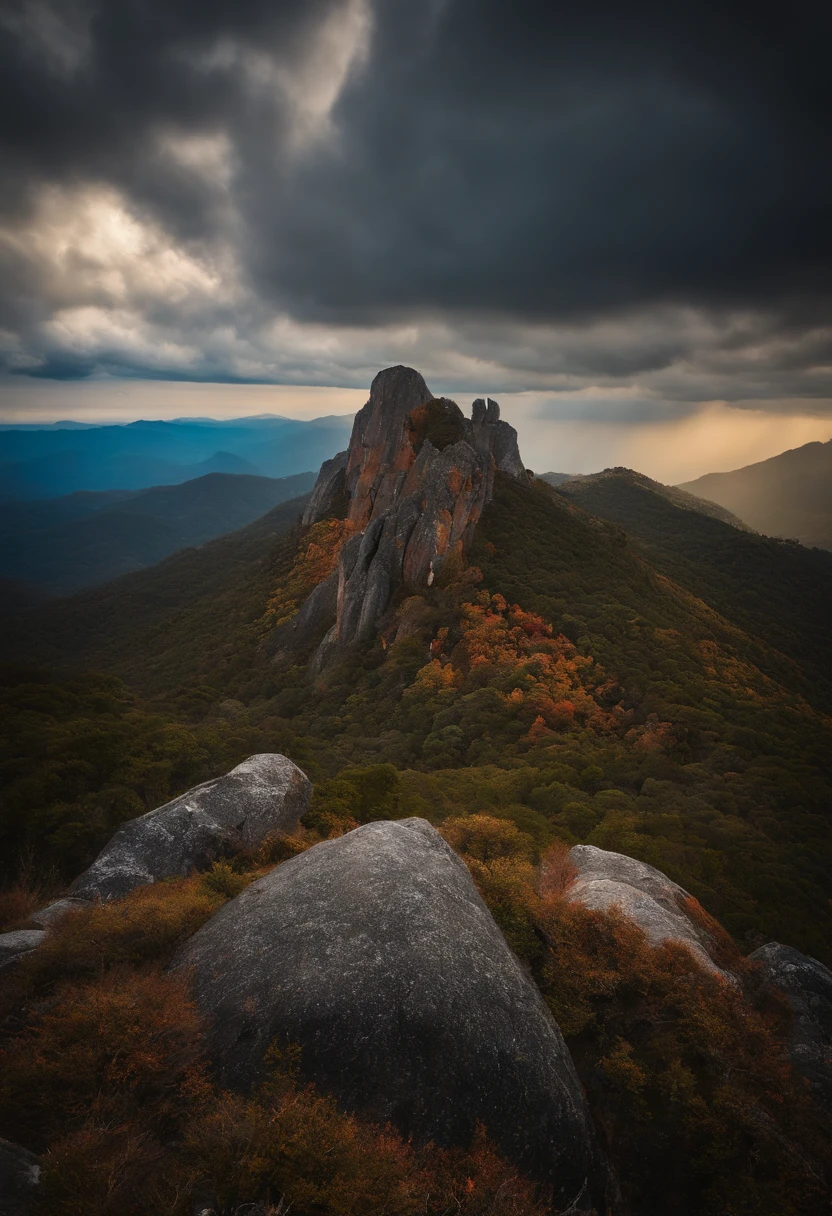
(51, 461)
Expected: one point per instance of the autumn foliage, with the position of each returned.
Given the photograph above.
(103, 1070)
(540, 676)
(315, 562)
(688, 1081)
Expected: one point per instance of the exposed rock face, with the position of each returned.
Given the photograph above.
(645, 895)
(19, 1176)
(416, 478)
(18, 943)
(381, 450)
(327, 490)
(375, 953)
(807, 985)
(264, 794)
(500, 438)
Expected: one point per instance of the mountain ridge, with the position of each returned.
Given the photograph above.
(775, 591)
(45, 463)
(788, 495)
(88, 538)
(674, 494)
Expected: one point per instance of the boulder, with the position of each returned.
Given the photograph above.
(49, 916)
(18, 943)
(376, 955)
(265, 794)
(807, 986)
(19, 1176)
(660, 908)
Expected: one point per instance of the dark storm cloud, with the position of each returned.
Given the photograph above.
(549, 160)
(479, 166)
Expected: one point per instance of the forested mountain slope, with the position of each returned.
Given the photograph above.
(64, 544)
(777, 592)
(187, 616)
(619, 708)
(594, 484)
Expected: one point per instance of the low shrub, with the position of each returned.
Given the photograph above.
(146, 926)
(103, 1051)
(119, 1170)
(292, 1146)
(280, 846)
(687, 1078)
(485, 838)
(18, 902)
(223, 879)
(114, 1087)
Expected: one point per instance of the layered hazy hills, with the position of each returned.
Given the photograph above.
(176, 621)
(776, 592)
(78, 540)
(789, 495)
(55, 461)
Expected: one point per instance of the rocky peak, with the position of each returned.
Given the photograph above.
(382, 448)
(414, 481)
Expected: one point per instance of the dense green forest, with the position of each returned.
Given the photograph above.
(775, 590)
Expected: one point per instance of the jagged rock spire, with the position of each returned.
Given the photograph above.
(381, 451)
(414, 480)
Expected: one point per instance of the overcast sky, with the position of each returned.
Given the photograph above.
(614, 217)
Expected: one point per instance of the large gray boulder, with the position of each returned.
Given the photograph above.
(265, 794)
(18, 943)
(375, 954)
(642, 893)
(807, 986)
(52, 915)
(19, 1177)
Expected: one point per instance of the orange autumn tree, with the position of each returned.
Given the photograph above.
(540, 676)
(314, 563)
